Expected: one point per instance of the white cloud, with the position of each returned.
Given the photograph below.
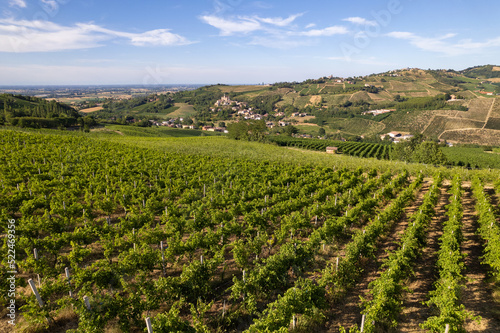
(401, 35)
(443, 45)
(279, 21)
(360, 21)
(45, 36)
(274, 32)
(230, 27)
(329, 31)
(17, 3)
(161, 37)
(310, 25)
(468, 44)
(246, 24)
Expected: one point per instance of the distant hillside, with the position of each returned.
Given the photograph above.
(482, 72)
(459, 106)
(26, 111)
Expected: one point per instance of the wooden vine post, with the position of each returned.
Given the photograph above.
(162, 259)
(148, 325)
(35, 291)
(66, 271)
(87, 302)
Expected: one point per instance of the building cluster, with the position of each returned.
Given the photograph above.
(397, 137)
(249, 114)
(174, 123)
(336, 79)
(240, 108)
(303, 136)
(272, 124)
(487, 93)
(377, 112)
(226, 101)
(214, 129)
(298, 114)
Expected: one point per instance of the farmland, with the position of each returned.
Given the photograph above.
(183, 110)
(474, 136)
(208, 234)
(441, 104)
(478, 109)
(441, 124)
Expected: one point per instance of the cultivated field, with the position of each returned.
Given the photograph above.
(493, 123)
(256, 238)
(478, 109)
(90, 110)
(243, 88)
(411, 121)
(356, 126)
(184, 110)
(315, 100)
(479, 136)
(441, 124)
(495, 111)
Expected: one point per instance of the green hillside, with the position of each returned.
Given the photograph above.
(26, 111)
(482, 72)
(459, 106)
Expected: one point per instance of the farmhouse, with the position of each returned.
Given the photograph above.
(332, 150)
(402, 138)
(377, 112)
(394, 134)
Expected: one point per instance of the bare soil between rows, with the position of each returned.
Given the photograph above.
(347, 312)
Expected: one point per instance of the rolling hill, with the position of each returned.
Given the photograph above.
(458, 106)
(26, 111)
(470, 113)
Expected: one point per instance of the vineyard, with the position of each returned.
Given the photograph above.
(113, 237)
(351, 148)
(460, 156)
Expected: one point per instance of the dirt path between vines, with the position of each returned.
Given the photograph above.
(477, 296)
(347, 311)
(414, 312)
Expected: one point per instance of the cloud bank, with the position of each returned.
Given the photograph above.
(44, 36)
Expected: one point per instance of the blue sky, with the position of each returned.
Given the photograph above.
(238, 41)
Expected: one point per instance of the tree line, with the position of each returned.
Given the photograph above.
(27, 111)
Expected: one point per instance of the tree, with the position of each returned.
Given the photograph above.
(419, 151)
(187, 121)
(399, 98)
(249, 130)
(428, 152)
(321, 131)
(403, 151)
(89, 121)
(289, 130)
